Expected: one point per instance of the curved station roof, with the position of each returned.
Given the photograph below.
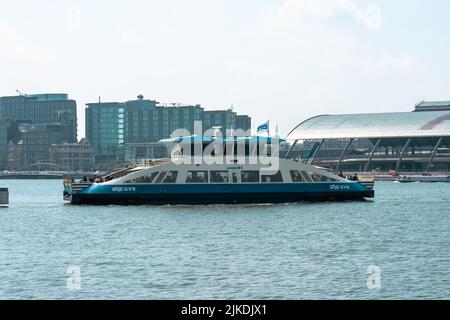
(376, 125)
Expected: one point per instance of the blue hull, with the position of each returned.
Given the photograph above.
(219, 193)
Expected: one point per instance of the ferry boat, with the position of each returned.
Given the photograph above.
(235, 180)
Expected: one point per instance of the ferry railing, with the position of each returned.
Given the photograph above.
(367, 181)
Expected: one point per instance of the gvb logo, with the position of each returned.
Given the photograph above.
(373, 278)
(74, 278)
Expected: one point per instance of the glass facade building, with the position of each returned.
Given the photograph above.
(244, 123)
(147, 121)
(227, 120)
(105, 131)
(42, 109)
(37, 139)
(112, 126)
(219, 118)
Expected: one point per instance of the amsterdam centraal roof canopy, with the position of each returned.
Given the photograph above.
(376, 125)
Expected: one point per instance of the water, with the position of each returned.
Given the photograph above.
(295, 251)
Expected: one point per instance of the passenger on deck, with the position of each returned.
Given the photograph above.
(98, 179)
(296, 177)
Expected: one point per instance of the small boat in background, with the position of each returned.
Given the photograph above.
(424, 179)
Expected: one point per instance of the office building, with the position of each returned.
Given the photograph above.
(244, 123)
(432, 106)
(148, 121)
(135, 152)
(110, 127)
(37, 139)
(15, 156)
(72, 156)
(229, 121)
(105, 131)
(9, 132)
(42, 109)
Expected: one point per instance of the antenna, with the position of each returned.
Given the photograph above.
(231, 121)
(20, 93)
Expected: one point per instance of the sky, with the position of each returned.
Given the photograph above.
(283, 60)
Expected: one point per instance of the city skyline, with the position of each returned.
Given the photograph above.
(42, 128)
(273, 59)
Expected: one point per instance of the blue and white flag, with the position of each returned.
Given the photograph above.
(263, 128)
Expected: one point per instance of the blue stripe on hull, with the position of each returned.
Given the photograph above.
(220, 193)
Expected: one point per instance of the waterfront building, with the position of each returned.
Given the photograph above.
(148, 121)
(9, 131)
(225, 119)
(432, 106)
(72, 156)
(169, 118)
(244, 123)
(110, 126)
(401, 142)
(37, 139)
(15, 156)
(229, 121)
(135, 152)
(42, 109)
(105, 131)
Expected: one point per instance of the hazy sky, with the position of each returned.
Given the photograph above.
(283, 60)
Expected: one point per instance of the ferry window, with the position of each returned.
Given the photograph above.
(314, 176)
(306, 176)
(151, 177)
(197, 177)
(144, 179)
(320, 178)
(327, 179)
(296, 176)
(219, 176)
(171, 177)
(272, 178)
(249, 176)
(160, 177)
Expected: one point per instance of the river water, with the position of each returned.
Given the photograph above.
(395, 247)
